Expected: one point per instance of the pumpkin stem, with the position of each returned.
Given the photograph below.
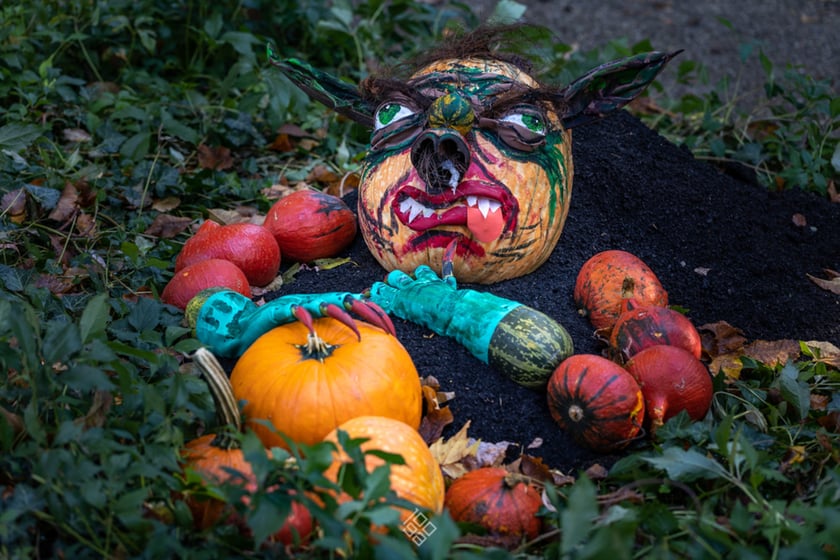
(575, 413)
(316, 348)
(227, 411)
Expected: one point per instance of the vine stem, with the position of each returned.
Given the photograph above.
(212, 371)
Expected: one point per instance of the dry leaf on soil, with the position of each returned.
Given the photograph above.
(166, 204)
(436, 416)
(772, 352)
(832, 284)
(451, 453)
(67, 205)
(828, 353)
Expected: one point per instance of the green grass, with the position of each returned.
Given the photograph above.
(105, 106)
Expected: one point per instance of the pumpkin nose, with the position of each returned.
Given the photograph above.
(441, 159)
(452, 111)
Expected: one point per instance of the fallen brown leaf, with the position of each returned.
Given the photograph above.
(166, 204)
(721, 338)
(490, 454)
(293, 130)
(85, 225)
(452, 453)
(64, 251)
(77, 135)
(833, 194)
(321, 174)
(827, 352)
(240, 214)
(13, 205)
(217, 158)
(435, 416)
(532, 467)
(773, 352)
(281, 189)
(68, 204)
(729, 364)
(799, 220)
(282, 143)
(166, 226)
(597, 472)
(347, 183)
(832, 284)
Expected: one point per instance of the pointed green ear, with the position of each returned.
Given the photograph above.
(609, 87)
(344, 98)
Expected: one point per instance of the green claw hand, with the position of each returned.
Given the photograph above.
(228, 322)
(468, 316)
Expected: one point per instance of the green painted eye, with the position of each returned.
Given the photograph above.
(534, 122)
(390, 112)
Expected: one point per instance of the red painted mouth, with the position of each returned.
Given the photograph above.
(473, 204)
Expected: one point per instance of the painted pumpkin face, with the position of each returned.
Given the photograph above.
(496, 176)
(471, 149)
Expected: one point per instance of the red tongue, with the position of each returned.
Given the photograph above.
(484, 229)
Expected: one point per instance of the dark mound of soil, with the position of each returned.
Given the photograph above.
(725, 249)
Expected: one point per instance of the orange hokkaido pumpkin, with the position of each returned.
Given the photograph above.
(307, 385)
(502, 502)
(419, 480)
(609, 279)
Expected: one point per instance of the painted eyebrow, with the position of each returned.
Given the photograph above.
(497, 99)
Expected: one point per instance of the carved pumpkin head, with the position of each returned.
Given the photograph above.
(471, 148)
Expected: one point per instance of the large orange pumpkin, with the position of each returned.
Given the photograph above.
(307, 385)
(419, 480)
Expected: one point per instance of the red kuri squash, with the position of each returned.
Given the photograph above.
(309, 225)
(672, 380)
(649, 325)
(210, 273)
(249, 246)
(596, 401)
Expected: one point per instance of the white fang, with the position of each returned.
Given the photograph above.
(485, 205)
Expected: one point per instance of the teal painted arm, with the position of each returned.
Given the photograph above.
(468, 316)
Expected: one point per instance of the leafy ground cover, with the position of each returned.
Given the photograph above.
(126, 123)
